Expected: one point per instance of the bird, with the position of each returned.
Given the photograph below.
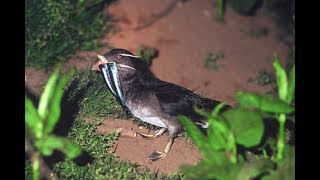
(150, 99)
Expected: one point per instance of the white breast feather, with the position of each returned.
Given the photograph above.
(144, 114)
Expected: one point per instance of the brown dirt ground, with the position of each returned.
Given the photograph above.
(184, 38)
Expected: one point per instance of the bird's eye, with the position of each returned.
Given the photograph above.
(118, 56)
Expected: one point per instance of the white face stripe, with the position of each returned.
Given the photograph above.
(129, 55)
(125, 66)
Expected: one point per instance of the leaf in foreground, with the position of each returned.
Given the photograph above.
(263, 102)
(32, 119)
(55, 104)
(49, 144)
(246, 125)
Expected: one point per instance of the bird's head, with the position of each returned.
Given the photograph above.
(125, 61)
(117, 65)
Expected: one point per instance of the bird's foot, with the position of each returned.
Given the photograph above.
(156, 155)
(160, 155)
(152, 136)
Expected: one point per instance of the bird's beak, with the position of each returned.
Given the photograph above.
(102, 60)
(111, 76)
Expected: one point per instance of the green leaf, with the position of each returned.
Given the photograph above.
(217, 134)
(43, 108)
(246, 125)
(262, 102)
(48, 144)
(255, 168)
(281, 79)
(54, 108)
(32, 119)
(196, 135)
(291, 85)
(201, 112)
(217, 109)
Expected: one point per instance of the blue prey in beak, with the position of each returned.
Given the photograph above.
(111, 76)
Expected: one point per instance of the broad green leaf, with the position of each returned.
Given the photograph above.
(43, 108)
(255, 168)
(281, 79)
(263, 102)
(291, 85)
(54, 108)
(196, 135)
(48, 144)
(246, 125)
(32, 119)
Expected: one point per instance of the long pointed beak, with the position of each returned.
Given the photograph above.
(102, 60)
(111, 76)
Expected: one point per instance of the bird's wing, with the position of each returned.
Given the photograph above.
(175, 100)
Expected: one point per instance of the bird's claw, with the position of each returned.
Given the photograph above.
(146, 136)
(152, 136)
(156, 155)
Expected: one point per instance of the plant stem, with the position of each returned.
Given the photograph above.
(36, 167)
(264, 153)
(280, 145)
(232, 141)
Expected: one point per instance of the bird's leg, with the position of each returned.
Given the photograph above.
(160, 155)
(153, 136)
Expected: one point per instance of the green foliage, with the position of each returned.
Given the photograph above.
(56, 29)
(147, 53)
(286, 167)
(247, 134)
(41, 122)
(263, 102)
(48, 144)
(211, 61)
(243, 125)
